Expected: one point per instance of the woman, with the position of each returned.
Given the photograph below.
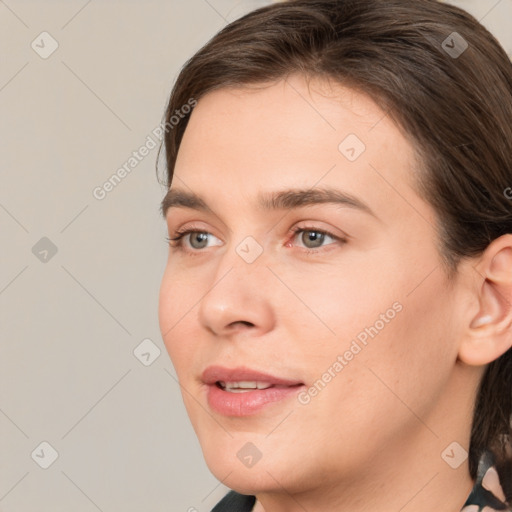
(337, 300)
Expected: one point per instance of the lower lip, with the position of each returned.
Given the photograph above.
(248, 402)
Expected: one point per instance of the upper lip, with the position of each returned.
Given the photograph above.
(214, 374)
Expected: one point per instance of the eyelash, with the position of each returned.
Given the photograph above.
(176, 242)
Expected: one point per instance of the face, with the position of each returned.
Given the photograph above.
(304, 308)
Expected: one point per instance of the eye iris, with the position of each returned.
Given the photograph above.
(199, 236)
(312, 236)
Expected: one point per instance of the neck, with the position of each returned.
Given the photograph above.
(409, 474)
(421, 483)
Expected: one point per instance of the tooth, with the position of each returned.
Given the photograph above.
(247, 384)
(240, 386)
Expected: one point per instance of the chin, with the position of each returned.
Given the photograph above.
(245, 480)
(248, 463)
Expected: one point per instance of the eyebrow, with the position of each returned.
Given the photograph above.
(280, 200)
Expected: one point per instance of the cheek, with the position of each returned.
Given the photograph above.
(175, 309)
(395, 378)
(339, 303)
(410, 358)
(166, 307)
(396, 338)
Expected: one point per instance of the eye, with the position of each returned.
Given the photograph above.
(197, 240)
(313, 238)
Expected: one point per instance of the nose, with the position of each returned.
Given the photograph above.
(238, 298)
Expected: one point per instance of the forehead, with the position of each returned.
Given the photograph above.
(291, 109)
(290, 116)
(248, 140)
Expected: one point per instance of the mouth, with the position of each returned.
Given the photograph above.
(243, 386)
(243, 392)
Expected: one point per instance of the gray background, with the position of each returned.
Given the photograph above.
(71, 320)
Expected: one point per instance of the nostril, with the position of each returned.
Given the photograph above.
(242, 322)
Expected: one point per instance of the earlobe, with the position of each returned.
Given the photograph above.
(489, 334)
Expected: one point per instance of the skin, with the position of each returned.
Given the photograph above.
(372, 438)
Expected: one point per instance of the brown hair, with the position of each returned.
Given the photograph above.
(453, 102)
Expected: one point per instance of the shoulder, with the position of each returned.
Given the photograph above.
(234, 502)
(489, 490)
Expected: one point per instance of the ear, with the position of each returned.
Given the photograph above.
(489, 333)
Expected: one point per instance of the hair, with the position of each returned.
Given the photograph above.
(455, 108)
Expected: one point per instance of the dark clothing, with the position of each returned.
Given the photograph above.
(234, 502)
